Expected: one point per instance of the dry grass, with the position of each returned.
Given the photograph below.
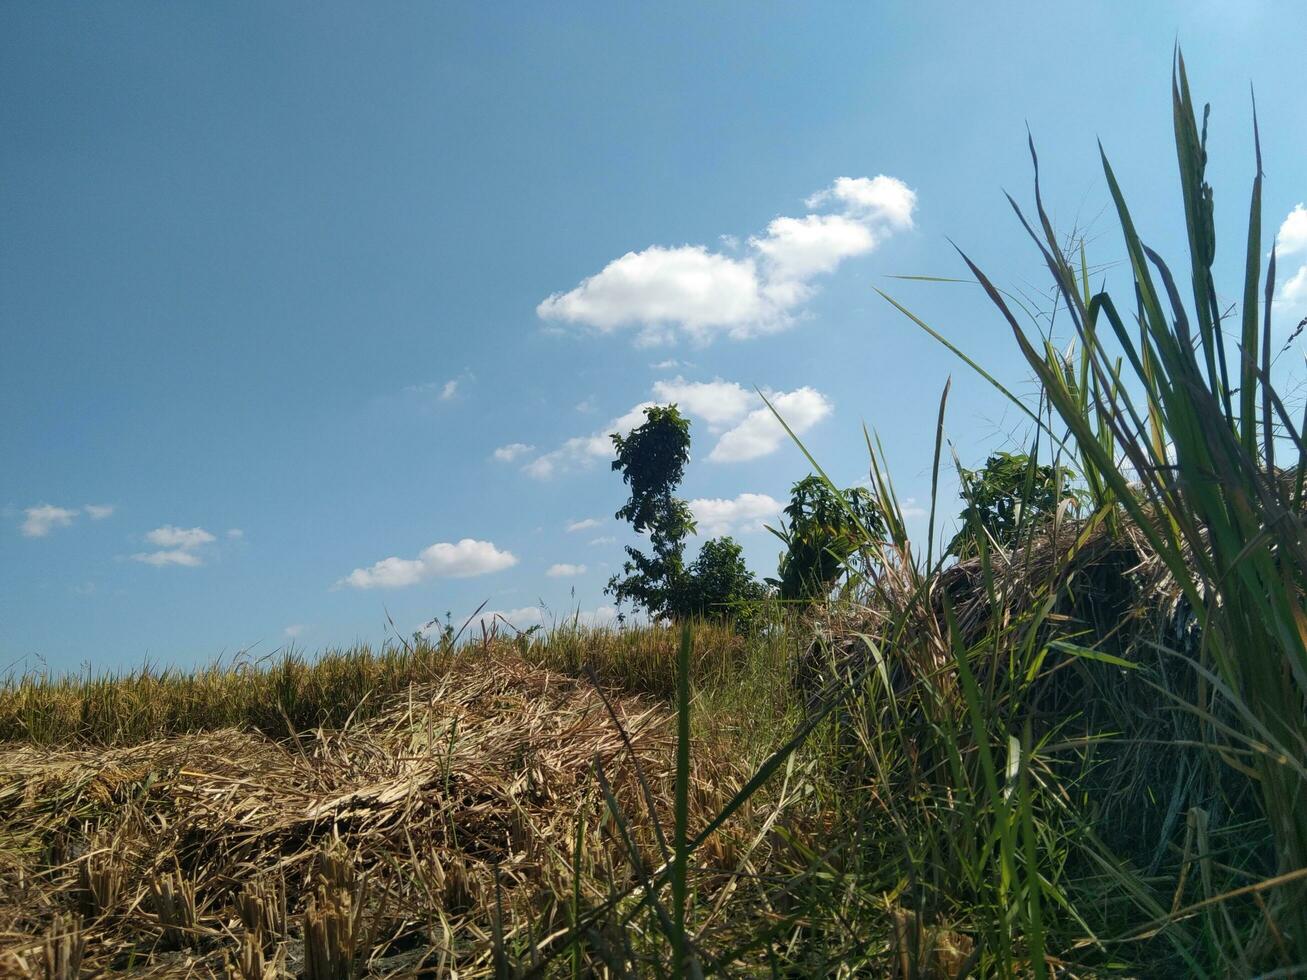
(439, 835)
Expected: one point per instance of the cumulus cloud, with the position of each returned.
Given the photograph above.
(699, 293)
(882, 199)
(748, 428)
(98, 512)
(565, 570)
(583, 525)
(176, 546)
(465, 559)
(745, 512)
(506, 454)
(761, 433)
(1291, 300)
(1292, 236)
(40, 520)
(1294, 290)
(717, 402)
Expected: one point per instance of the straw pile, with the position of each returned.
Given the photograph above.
(431, 838)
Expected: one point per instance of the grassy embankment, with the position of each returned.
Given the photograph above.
(1082, 753)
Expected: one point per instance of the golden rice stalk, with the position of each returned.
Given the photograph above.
(261, 907)
(101, 879)
(174, 903)
(334, 932)
(64, 948)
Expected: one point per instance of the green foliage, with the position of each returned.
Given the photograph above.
(652, 462)
(1009, 496)
(720, 584)
(820, 535)
(717, 584)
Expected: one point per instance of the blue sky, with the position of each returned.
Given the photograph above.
(313, 312)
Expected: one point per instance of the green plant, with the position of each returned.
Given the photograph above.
(652, 460)
(1013, 493)
(821, 533)
(718, 584)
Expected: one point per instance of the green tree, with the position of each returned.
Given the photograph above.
(1009, 496)
(652, 461)
(820, 535)
(719, 583)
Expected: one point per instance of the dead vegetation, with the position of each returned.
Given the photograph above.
(439, 835)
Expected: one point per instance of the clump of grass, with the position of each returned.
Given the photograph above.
(290, 692)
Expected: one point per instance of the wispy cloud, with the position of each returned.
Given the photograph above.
(747, 429)
(465, 559)
(583, 525)
(692, 291)
(169, 556)
(40, 520)
(175, 546)
(565, 570)
(98, 512)
(506, 454)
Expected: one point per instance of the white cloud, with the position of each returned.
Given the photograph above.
(603, 539)
(1292, 236)
(583, 524)
(798, 249)
(170, 536)
(425, 398)
(1295, 289)
(565, 570)
(171, 556)
(235, 533)
(40, 520)
(717, 402)
(688, 286)
(1290, 305)
(98, 512)
(746, 512)
(581, 452)
(881, 198)
(465, 559)
(666, 365)
(176, 546)
(761, 434)
(911, 509)
(700, 293)
(506, 454)
(293, 630)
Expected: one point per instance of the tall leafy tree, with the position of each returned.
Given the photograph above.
(652, 461)
(717, 584)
